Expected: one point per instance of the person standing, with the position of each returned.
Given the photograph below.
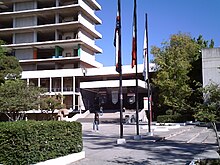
(96, 121)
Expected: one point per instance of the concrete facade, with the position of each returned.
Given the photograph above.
(211, 65)
(54, 41)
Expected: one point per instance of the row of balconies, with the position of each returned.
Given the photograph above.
(9, 7)
(40, 20)
(41, 37)
(8, 11)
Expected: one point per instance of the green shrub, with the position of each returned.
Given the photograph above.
(169, 119)
(29, 142)
(169, 112)
(177, 118)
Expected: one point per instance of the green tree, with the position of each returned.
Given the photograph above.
(9, 66)
(16, 97)
(209, 110)
(179, 72)
(174, 63)
(50, 104)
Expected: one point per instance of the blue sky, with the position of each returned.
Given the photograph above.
(165, 17)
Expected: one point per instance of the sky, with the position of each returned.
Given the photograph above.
(165, 17)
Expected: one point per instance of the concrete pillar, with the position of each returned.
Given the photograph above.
(62, 89)
(28, 82)
(57, 3)
(50, 85)
(38, 82)
(74, 92)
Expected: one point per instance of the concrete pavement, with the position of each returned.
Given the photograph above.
(176, 145)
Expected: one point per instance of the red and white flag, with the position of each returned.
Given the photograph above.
(134, 39)
(117, 40)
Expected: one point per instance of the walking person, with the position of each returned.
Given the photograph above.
(96, 121)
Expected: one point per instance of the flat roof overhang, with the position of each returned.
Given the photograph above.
(112, 84)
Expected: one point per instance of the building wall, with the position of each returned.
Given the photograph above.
(211, 65)
(24, 38)
(24, 54)
(37, 37)
(25, 21)
(24, 6)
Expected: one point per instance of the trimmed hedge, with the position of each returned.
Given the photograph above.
(173, 118)
(29, 142)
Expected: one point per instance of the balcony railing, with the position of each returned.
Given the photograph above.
(66, 89)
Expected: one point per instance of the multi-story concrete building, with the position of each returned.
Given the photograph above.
(54, 41)
(52, 35)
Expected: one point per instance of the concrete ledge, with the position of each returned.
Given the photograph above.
(77, 116)
(64, 160)
(121, 141)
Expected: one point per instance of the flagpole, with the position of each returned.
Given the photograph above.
(120, 83)
(136, 75)
(117, 44)
(148, 81)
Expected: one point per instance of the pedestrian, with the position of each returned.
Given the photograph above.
(96, 121)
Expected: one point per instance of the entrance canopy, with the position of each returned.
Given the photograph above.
(112, 84)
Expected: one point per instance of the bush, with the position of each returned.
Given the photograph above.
(29, 142)
(167, 118)
(177, 118)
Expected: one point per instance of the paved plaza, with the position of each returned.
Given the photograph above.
(168, 145)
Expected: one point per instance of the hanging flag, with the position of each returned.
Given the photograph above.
(117, 40)
(145, 52)
(134, 39)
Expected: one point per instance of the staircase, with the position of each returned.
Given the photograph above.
(105, 118)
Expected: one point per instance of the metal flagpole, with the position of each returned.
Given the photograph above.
(148, 81)
(120, 83)
(136, 75)
(117, 44)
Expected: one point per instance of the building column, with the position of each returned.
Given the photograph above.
(28, 81)
(50, 85)
(62, 89)
(38, 83)
(56, 35)
(74, 92)
(57, 3)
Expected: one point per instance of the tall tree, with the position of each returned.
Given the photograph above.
(174, 61)
(9, 66)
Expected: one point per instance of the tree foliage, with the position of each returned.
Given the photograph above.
(16, 98)
(50, 103)
(9, 66)
(179, 71)
(209, 111)
(174, 63)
